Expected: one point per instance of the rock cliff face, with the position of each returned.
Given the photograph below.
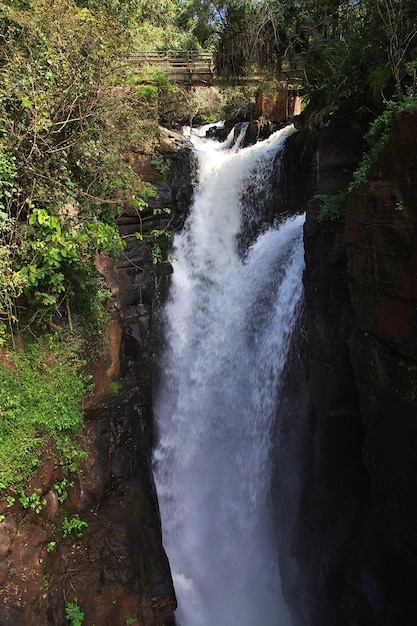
(381, 238)
(361, 285)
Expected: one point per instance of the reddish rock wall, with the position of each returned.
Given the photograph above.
(278, 106)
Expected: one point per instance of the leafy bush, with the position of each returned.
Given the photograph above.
(73, 526)
(239, 102)
(74, 614)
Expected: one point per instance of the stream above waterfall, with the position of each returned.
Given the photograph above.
(228, 323)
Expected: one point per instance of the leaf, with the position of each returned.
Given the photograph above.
(26, 103)
(41, 217)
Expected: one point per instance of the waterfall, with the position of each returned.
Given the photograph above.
(228, 324)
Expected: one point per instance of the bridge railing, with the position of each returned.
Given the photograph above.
(198, 67)
(180, 65)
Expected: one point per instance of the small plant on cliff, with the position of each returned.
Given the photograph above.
(161, 163)
(158, 238)
(33, 501)
(73, 613)
(51, 547)
(332, 205)
(113, 388)
(73, 526)
(61, 488)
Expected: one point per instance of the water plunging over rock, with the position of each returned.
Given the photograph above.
(229, 320)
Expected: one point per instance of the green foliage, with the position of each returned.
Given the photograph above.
(73, 526)
(239, 103)
(180, 105)
(332, 205)
(124, 11)
(42, 391)
(343, 48)
(8, 174)
(113, 388)
(158, 238)
(33, 501)
(201, 105)
(160, 26)
(148, 92)
(61, 488)
(130, 620)
(51, 547)
(161, 163)
(73, 613)
(333, 71)
(67, 119)
(201, 20)
(379, 78)
(379, 133)
(56, 257)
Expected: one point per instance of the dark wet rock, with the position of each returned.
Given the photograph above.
(361, 293)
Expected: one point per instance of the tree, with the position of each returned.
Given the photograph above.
(235, 50)
(63, 174)
(343, 46)
(398, 19)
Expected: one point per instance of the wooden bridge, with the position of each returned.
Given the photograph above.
(189, 67)
(192, 67)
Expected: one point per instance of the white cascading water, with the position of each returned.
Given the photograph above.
(229, 320)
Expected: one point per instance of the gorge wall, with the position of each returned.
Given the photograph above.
(361, 289)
